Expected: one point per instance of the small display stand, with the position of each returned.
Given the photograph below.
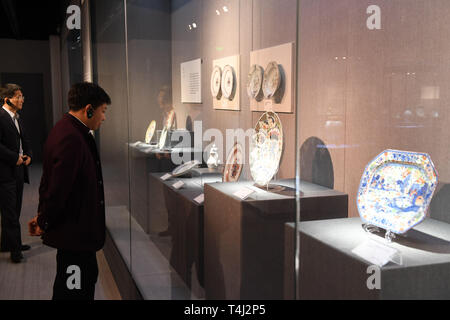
(208, 175)
(144, 161)
(183, 204)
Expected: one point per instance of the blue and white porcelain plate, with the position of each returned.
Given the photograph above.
(396, 190)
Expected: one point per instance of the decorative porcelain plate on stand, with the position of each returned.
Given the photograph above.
(272, 80)
(185, 168)
(395, 191)
(254, 82)
(266, 148)
(170, 120)
(150, 132)
(233, 166)
(228, 82)
(162, 139)
(216, 82)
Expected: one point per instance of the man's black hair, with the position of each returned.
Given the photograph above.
(9, 90)
(84, 93)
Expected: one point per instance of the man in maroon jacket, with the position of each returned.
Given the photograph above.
(71, 209)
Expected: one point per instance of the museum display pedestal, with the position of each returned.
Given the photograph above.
(244, 239)
(185, 224)
(329, 269)
(144, 162)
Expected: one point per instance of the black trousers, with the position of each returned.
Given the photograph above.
(11, 193)
(76, 275)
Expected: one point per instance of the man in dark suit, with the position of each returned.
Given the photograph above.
(15, 157)
(71, 209)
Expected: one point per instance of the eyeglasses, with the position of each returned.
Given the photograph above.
(20, 98)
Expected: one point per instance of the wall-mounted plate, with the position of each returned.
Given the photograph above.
(216, 82)
(254, 82)
(228, 82)
(229, 97)
(272, 80)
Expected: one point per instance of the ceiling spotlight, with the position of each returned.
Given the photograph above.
(225, 9)
(218, 12)
(190, 27)
(194, 25)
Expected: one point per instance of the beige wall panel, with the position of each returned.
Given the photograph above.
(283, 55)
(224, 103)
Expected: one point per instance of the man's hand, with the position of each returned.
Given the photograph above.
(26, 160)
(19, 161)
(33, 228)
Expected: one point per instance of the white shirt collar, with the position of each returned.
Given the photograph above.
(12, 114)
(90, 131)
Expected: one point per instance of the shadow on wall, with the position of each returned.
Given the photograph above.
(440, 204)
(189, 126)
(315, 163)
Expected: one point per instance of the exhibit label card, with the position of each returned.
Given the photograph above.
(200, 199)
(243, 193)
(191, 81)
(178, 185)
(166, 177)
(375, 252)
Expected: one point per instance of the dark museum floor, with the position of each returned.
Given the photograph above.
(33, 279)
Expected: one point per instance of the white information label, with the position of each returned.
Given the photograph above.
(375, 252)
(178, 185)
(166, 177)
(200, 199)
(191, 81)
(243, 193)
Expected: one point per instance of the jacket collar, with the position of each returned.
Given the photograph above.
(12, 114)
(77, 123)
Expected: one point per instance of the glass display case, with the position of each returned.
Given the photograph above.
(238, 136)
(372, 77)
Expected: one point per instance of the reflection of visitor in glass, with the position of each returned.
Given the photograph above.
(165, 104)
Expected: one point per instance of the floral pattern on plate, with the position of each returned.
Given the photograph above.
(266, 147)
(254, 82)
(170, 120)
(272, 80)
(233, 166)
(396, 189)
